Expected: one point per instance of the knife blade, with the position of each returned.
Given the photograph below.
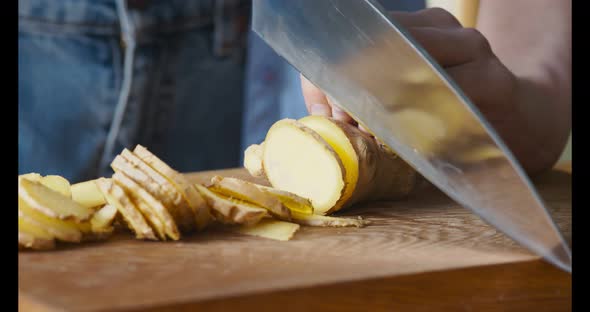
(372, 68)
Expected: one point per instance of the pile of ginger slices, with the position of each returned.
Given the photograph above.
(155, 202)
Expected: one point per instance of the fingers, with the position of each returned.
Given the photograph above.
(320, 110)
(318, 104)
(443, 37)
(487, 83)
(314, 98)
(460, 50)
(432, 17)
(452, 46)
(339, 114)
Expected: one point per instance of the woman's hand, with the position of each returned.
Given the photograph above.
(468, 58)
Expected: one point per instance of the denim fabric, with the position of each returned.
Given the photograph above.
(186, 83)
(184, 102)
(273, 88)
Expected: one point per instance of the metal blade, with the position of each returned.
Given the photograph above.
(368, 65)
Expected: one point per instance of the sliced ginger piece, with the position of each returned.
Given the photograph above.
(153, 221)
(298, 160)
(195, 201)
(120, 164)
(33, 176)
(248, 192)
(129, 186)
(54, 182)
(133, 160)
(103, 218)
(151, 208)
(157, 185)
(58, 184)
(27, 240)
(33, 237)
(177, 199)
(67, 231)
(230, 210)
(51, 203)
(292, 201)
(25, 224)
(151, 205)
(87, 194)
(253, 160)
(300, 164)
(116, 197)
(339, 141)
(186, 216)
(382, 174)
(326, 221)
(271, 229)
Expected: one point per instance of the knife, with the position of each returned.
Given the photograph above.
(369, 66)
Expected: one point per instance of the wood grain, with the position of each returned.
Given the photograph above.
(423, 253)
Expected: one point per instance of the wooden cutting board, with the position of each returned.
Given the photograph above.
(422, 253)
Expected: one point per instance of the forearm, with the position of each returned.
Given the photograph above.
(533, 39)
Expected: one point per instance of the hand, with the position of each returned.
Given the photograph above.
(467, 57)
(463, 52)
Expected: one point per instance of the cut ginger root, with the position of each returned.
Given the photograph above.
(58, 184)
(50, 202)
(298, 160)
(328, 221)
(331, 163)
(48, 214)
(230, 210)
(142, 204)
(58, 229)
(193, 198)
(248, 192)
(151, 208)
(54, 182)
(253, 160)
(87, 194)
(315, 166)
(291, 201)
(103, 219)
(157, 185)
(271, 229)
(33, 237)
(116, 196)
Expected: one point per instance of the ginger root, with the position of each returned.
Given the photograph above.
(230, 210)
(315, 166)
(195, 201)
(271, 229)
(87, 194)
(246, 191)
(116, 196)
(327, 221)
(331, 163)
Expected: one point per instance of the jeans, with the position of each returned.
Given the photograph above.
(174, 94)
